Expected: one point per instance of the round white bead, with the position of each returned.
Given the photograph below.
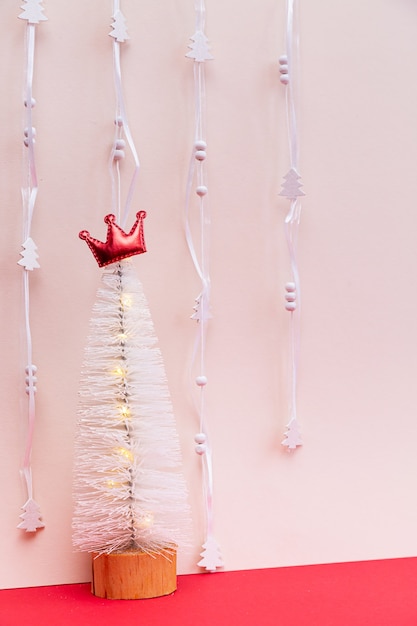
(31, 369)
(200, 155)
(200, 448)
(201, 381)
(32, 103)
(120, 144)
(26, 132)
(283, 59)
(290, 306)
(284, 78)
(118, 121)
(200, 144)
(290, 286)
(290, 297)
(118, 154)
(201, 190)
(200, 438)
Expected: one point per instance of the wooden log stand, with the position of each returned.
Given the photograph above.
(134, 575)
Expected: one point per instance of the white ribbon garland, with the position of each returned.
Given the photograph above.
(122, 128)
(211, 557)
(291, 189)
(31, 516)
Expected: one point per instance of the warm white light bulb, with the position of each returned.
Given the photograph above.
(146, 520)
(126, 300)
(113, 484)
(124, 411)
(125, 454)
(119, 372)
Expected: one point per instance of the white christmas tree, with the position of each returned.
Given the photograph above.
(211, 555)
(200, 50)
(33, 11)
(31, 517)
(291, 188)
(29, 255)
(119, 31)
(129, 492)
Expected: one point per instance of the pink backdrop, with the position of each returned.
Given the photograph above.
(350, 492)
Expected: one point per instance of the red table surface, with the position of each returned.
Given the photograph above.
(371, 593)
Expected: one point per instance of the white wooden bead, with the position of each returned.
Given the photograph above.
(32, 103)
(200, 438)
(283, 69)
(120, 144)
(118, 154)
(290, 286)
(200, 155)
(284, 78)
(26, 132)
(290, 297)
(290, 306)
(118, 121)
(200, 144)
(200, 448)
(201, 190)
(283, 59)
(201, 381)
(31, 369)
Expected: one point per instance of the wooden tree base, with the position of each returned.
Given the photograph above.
(134, 575)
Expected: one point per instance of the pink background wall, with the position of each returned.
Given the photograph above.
(350, 492)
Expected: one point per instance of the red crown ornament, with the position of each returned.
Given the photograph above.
(118, 245)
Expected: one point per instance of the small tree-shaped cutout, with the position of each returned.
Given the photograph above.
(119, 31)
(29, 255)
(291, 188)
(200, 50)
(292, 436)
(33, 11)
(31, 517)
(212, 559)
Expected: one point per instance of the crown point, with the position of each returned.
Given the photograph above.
(84, 234)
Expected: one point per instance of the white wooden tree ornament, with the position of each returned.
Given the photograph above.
(292, 435)
(33, 12)
(201, 313)
(212, 558)
(119, 31)
(291, 188)
(200, 49)
(31, 517)
(29, 255)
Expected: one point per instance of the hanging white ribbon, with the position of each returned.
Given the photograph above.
(211, 558)
(291, 189)
(31, 518)
(122, 129)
